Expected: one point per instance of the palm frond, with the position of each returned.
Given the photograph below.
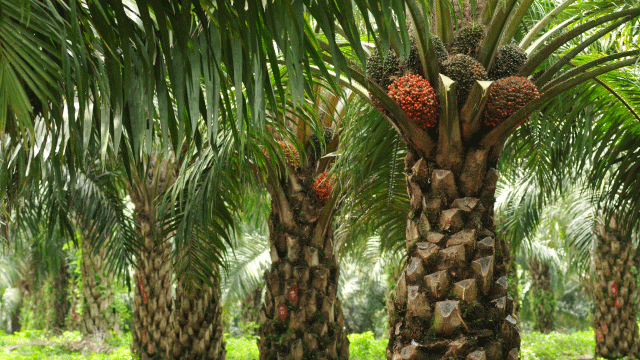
(372, 162)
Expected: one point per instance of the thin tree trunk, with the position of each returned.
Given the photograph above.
(59, 296)
(512, 279)
(98, 312)
(34, 310)
(152, 297)
(301, 317)
(197, 323)
(615, 322)
(451, 300)
(542, 294)
(73, 321)
(251, 306)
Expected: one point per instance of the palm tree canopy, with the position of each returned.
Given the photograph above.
(155, 69)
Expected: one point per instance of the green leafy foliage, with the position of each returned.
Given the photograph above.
(244, 347)
(364, 346)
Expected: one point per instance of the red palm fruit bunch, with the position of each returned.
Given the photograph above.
(416, 97)
(507, 96)
(291, 155)
(377, 104)
(323, 185)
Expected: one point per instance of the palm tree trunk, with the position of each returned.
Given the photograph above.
(543, 300)
(616, 296)
(59, 296)
(197, 323)
(512, 279)
(251, 306)
(301, 317)
(98, 313)
(34, 307)
(451, 300)
(152, 298)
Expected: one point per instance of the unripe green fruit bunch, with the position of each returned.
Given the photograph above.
(465, 71)
(508, 62)
(507, 96)
(323, 185)
(414, 64)
(317, 145)
(467, 40)
(382, 70)
(417, 98)
(439, 48)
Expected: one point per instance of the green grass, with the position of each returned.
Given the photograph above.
(362, 347)
(57, 347)
(244, 348)
(535, 346)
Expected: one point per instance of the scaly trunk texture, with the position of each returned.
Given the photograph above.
(45, 303)
(542, 294)
(152, 297)
(33, 310)
(615, 320)
(197, 324)
(59, 296)
(451, 301)
(301, 317)
(251, 306)
(98, 312)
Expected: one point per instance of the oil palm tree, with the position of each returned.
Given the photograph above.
(285, 155)
(597, 253)
(200, 237)
(243, 282)
(593, 233)
(451, 182)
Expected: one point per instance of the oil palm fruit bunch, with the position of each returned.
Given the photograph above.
(507, 96)
(382, 70)
(413, 63)
(317, 144)
(417, 98)
(464, 70)
(467, 40)
(291, 156)
(508, 62)
(439, 48)
(323, 185)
